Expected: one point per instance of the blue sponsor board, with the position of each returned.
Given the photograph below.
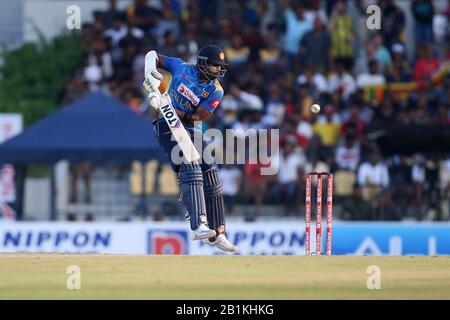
(391, 238)
(349, 238)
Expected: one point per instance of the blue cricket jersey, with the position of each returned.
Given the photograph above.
(185, 89)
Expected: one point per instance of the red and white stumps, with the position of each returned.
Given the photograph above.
(329, 219)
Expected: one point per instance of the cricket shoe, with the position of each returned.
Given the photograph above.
(203, 232)
(222, 243)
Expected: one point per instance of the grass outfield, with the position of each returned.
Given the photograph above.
(43, 276)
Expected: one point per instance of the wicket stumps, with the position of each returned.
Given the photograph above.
(319, 213)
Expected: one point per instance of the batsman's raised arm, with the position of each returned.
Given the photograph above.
(189, 104)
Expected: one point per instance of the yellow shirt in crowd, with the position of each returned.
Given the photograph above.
(328, 132)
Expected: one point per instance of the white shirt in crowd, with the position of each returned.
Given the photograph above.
(311, 15)
(335, 118)
(418, 173)
(116, 34)
(230, 180)
(367, 79)
(344, 81)
(305, 129)
(348, 158)
(377, 174)
(229, 103)
(251, 101)
(319, 81)
(289, 166)
(275, 114)
(319, 166)
(445, 174)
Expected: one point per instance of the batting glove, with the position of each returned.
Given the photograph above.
(151, 85)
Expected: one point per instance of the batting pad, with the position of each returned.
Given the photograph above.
(191, 185)
(215, 208)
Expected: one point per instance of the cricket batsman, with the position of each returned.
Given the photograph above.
(195, 93)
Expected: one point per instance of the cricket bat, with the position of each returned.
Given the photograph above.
(180, 134)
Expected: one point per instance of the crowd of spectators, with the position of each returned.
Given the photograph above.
(284, 56)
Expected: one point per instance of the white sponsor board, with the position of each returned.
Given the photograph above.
(73, 237)
(7, 183)
(261, 238)
(145, 238)
(10, 125)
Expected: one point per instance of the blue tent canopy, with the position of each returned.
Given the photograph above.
(95, 128)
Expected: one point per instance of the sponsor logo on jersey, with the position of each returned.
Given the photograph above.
(215, 103)
(188, 94)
